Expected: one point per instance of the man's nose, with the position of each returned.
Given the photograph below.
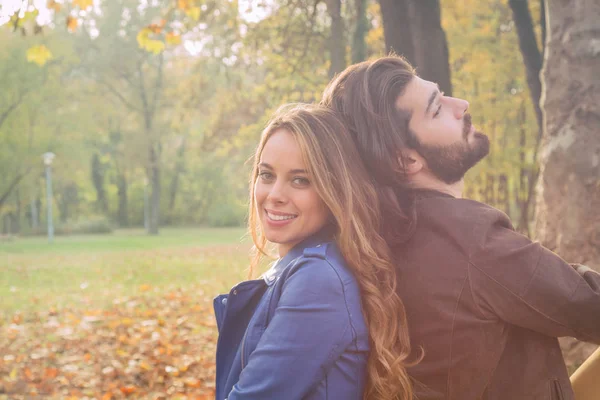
(460, 107)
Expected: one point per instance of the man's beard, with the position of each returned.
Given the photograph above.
(451, 163)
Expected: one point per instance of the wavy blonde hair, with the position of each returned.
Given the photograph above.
(340, 179)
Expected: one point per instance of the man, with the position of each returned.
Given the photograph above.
(484, 303)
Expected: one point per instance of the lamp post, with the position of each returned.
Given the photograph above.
(48, 157)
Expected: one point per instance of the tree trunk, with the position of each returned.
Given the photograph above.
(98, 181)
(122, 214)
(397, 29)
(174, 187)
(430, 44)
(532, 57)
(359, 45)
(337, 44)
(568, 221)
(154, 178)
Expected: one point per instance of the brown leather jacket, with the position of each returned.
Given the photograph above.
(486, 305)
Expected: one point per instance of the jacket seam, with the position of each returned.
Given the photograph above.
(353, 329)
(537, 265)
(452, 334)
(524, 301)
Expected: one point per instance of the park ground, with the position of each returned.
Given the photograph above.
(118, 316)
(115, 316)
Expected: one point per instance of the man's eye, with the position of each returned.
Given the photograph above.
(437, 112)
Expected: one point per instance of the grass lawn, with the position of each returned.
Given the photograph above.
(115, 316)
(94, 271)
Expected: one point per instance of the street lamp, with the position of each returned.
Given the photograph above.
(48, 157)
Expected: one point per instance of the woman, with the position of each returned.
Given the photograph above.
(323, 322)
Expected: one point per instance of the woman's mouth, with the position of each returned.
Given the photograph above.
(276, 216)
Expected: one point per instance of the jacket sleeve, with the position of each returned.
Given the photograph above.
(525, 284)
(310, 329)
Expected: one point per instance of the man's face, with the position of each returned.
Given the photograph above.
(443, 131)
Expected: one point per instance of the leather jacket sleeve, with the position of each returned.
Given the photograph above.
(525, 284)
(310, 328)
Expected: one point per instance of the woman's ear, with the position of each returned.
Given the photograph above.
(411, 160)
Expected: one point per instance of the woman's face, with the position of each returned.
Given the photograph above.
(289, 208)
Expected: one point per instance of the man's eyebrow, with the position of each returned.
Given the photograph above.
(432, 98)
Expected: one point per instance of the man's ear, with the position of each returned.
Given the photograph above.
(412, 161)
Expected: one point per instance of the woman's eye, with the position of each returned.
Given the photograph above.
(265, 176)
(437, 112)
(301, 181)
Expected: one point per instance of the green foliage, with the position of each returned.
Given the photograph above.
(227, 214)
(93, 225)
(201, 103)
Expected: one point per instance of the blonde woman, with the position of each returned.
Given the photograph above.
(324, 322)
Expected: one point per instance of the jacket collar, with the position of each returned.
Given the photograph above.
(426, 193)
(271, 276)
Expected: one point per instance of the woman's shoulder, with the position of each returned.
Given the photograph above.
(323, 265)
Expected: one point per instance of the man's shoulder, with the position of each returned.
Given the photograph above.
(468, 222)
(465, 211)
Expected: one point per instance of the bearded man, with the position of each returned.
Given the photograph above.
(485, 305)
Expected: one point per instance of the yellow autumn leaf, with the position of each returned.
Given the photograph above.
(194, 13)
(39, 55)
(72, 23)
(173, 38)
(148, 44)
(83, 4)
(53, 5)
(183, 4)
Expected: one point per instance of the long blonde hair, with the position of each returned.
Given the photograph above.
(340, 179)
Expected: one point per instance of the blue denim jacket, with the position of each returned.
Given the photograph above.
(296, 333)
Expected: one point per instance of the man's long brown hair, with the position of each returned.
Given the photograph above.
(339, 177)
(365, 95)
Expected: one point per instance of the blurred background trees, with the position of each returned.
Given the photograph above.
(153, 107)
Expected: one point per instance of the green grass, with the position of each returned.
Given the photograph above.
(95, 271)
(126, 239)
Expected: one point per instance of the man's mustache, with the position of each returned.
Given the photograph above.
(467, 125)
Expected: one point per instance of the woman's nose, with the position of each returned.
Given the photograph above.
(277, 193)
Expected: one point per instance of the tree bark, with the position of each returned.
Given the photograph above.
(122, 213)
(430, 44)
(174, 187)
(154, 178)
(397, 29)
(532, 58)
(337, 44)
(13, 185)
(568, 221)
(359, 45)
(98, 181)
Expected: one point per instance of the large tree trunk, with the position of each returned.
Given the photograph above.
(430, 44)
(359, 45)
(568, 221)
(337, 44)
(397, 29)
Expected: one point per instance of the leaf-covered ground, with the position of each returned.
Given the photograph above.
(112, 325)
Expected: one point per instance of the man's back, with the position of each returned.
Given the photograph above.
(486, 305)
